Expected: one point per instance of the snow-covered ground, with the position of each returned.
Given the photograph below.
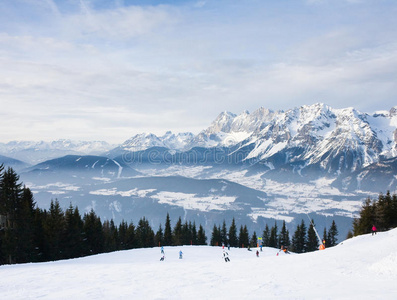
(364, 267)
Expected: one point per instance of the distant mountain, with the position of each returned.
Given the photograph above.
(144, 141)
(35, 152)
(229, 129)
(377, 177)
(303, 143)
(88, 165)
(13, 163)
(258, 167)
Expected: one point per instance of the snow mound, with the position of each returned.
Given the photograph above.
(386, 266)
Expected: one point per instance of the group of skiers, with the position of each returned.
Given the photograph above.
(225, 254)
(162, 258)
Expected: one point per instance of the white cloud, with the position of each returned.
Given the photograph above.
(113, 72)
(118, 24)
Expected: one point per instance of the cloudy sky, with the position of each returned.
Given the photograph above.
(106, 70)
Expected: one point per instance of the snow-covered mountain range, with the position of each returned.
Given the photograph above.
(307, 135)
(32, 152)
(301, 144)
(304, 142)
(145, 141)
(257, 167)
(333, 140)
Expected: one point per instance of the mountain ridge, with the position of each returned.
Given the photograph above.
(305, 139)
(303, 143)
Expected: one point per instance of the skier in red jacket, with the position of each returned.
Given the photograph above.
(373, 229)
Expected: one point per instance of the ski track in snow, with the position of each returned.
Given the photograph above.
(120, 168)
(364, 267)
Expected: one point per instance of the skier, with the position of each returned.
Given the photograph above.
(180, 254)
(162, 250)
(257, 253)
(373, 229)
(162, 258)
(284, 249)
(226, 256)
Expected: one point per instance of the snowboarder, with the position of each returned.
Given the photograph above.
(257, 253)
(226, 256)
(373, 229)
(162, 258)
(180, 254)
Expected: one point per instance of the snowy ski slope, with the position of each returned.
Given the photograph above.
(364, 267)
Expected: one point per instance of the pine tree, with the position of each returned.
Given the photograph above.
(273, 239)
(2, 215)
(167, 232)
(266, 236)
(302, 237)
(193, 232)
(145, 234)
(73, 238)
(243, 238)
(254, 240)
(332, 234)
(130, 239)
(224, 239)
(17, 243)
(389, 211)
(215, 237)
(201, 238)
(393, 211)
(93, 233)
(298, 244)
(122, 232)
(159, 237)
(381, 208)
(381, 213)
(10, 196)
(111, 236)
(54, 227)
(295, 240)
(284, 239)
(364, 223)
(312, 240)
(177, 233)
(187, 233)
(349, 235)
(233, 240)
(25, 247)
(39, 238)
(325, 238)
